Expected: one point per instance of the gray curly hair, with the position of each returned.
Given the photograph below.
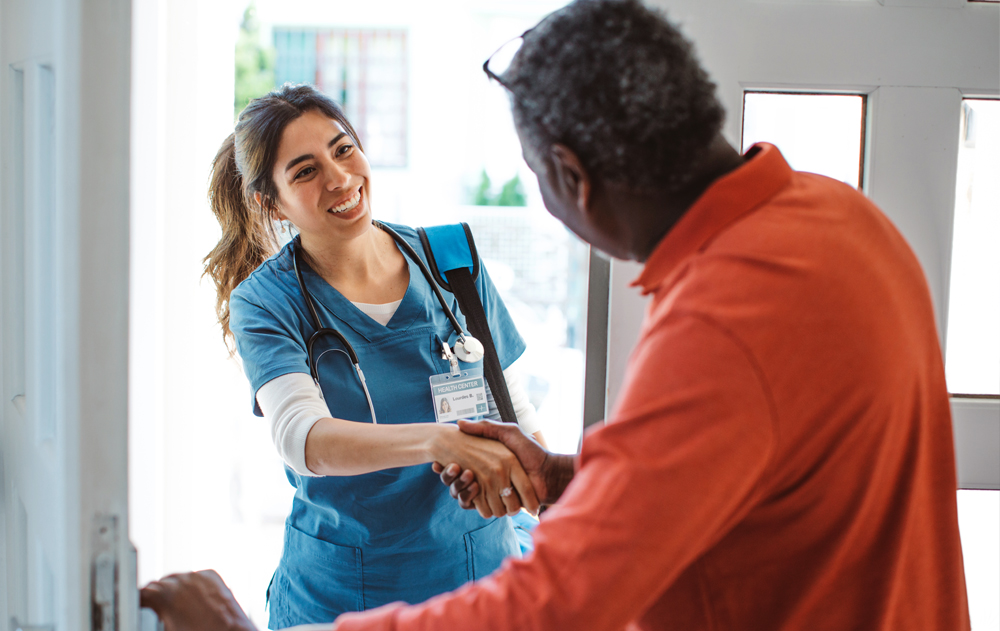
(620, 86)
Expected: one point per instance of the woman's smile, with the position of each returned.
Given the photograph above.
(350, 208)
(349, 204)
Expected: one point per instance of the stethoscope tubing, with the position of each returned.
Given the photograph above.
(320, 331)
(410, 252)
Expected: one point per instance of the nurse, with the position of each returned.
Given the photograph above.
(370, 521)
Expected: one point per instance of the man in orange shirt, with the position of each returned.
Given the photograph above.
(780, 456)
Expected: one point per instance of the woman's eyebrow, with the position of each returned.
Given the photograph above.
(307, 156)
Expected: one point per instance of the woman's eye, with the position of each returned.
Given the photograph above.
(304, 172)
(343, 149)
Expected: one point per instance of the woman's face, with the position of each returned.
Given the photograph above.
(322, 179)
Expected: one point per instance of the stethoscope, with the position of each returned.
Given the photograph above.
(467, 348)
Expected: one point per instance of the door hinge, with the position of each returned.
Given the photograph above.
(104, 574)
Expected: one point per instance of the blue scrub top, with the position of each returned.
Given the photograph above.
(358, 542)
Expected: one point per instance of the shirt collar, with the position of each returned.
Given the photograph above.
(730, 197)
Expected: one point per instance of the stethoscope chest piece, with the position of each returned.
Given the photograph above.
(469, 349)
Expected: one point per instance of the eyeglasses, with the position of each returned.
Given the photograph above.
(497, 64)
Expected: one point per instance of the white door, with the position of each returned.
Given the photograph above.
(914, 61)
(65, 560)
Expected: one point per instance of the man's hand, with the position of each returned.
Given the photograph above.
(549, 473)
(197, 601)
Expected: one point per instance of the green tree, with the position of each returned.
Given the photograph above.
(481, 195)
(512, 193)
(254, 63)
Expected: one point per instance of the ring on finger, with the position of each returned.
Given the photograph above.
(507, 491)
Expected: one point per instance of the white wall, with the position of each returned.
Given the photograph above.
(186, 395)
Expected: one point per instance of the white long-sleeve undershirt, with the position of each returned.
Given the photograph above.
(292, 403)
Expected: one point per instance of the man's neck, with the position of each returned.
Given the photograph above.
(652, 215)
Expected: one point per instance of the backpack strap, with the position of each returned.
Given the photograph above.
(454, 262)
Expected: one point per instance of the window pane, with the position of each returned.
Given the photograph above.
(819, 133)
(365, 70)
(979, 523)
(541, 270)
(972, 358)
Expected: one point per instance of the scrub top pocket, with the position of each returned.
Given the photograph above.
(488, 546)
(316, 581)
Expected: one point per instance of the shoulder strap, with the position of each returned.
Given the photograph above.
(454, 262)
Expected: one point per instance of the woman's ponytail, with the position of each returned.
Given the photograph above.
(248, 237)
(242, 170)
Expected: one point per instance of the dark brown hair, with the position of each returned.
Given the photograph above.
(243, 167)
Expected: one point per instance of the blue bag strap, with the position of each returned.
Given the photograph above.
(451, 253)
(448, 248)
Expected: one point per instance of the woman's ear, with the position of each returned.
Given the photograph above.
(570, 177)
(275, 213)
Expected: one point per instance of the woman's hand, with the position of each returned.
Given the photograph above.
(504, 486)
(549, 473)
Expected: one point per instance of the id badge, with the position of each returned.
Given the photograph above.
(459, 396)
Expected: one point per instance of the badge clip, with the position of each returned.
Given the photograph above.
(452, 360)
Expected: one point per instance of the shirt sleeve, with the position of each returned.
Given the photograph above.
(267, 343)
(676, 467)
(292, 404)
(527, 418)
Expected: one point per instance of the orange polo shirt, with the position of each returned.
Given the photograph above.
(780, 456)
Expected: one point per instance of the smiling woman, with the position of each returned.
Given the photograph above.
(361, 488)
(324, 193)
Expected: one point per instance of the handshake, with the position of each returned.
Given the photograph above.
(520, 473)
(492, 467)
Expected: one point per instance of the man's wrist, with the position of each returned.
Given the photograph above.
(559, 470)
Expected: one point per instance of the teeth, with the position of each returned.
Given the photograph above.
(349, 204)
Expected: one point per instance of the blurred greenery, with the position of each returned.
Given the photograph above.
(254, 63)
(481, 194)
(511, 193)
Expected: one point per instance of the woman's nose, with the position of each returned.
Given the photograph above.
(337, 176)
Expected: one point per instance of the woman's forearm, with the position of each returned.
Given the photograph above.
(336, 447)
(339, 447)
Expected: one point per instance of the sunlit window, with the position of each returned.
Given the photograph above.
(818, 133)
(979, 523)
(540, 270)
(973, 340)
(538, 266)
(365, 70)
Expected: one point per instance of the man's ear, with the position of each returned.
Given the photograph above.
(275, 213)
(569, 176)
